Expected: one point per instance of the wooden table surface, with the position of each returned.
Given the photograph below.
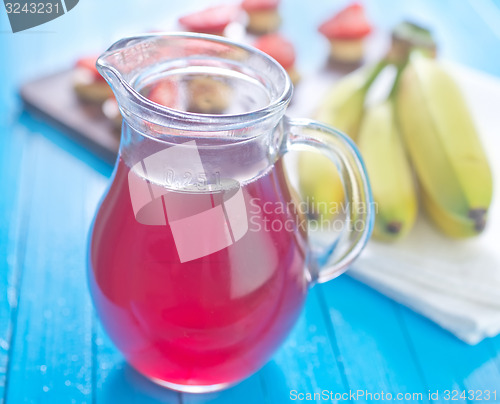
(52, 347)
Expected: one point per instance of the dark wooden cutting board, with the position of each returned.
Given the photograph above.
(53, 97)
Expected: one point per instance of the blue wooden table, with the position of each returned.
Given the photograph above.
(52, 347)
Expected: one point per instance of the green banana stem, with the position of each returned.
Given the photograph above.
(416, 51)
(375, 72)
(394, 89)
(407, 36)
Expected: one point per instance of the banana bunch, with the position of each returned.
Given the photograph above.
(342, 109)
(444, 147)
(424, 130)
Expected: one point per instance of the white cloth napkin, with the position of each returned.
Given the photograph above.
(455, 283)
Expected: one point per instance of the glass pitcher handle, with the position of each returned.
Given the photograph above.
(304, 134)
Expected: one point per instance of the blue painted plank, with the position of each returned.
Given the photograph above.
(375, 352)
(50, 358)
(449, 363)
(117, 382)
(308, 361)
(494, 344)
(248, 391)
(15, 159)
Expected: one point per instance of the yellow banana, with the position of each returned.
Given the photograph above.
(320, 185)
(319, 179)
(451, 224)
(343, 106)
(389, 172)
(444, 147)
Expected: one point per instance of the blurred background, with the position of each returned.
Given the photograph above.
(350, 336)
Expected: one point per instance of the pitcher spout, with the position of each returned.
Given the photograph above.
(187, 81)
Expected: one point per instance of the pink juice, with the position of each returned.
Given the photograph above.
(187, 317)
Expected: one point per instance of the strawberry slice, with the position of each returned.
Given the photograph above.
(349, 23)
(279, 48)
(88, 64)
(212, 20)
(259, 5)
(164, 93)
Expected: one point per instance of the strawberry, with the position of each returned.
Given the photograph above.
(279, 48)
(212, 20)
(259, 5)
(349, 23)
(164, 93)
(88, 64)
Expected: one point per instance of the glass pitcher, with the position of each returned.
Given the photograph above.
(199, 262)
